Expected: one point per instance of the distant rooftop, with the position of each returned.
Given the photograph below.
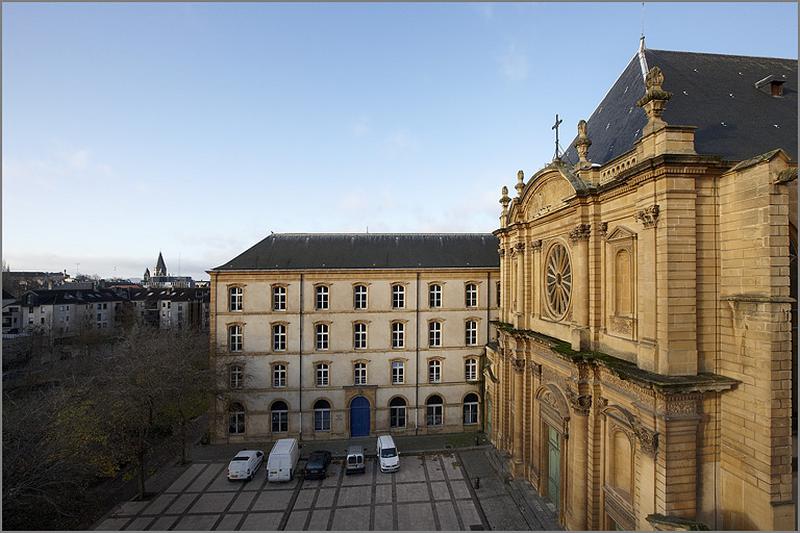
(296, 251)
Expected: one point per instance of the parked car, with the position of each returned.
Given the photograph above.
(245, 464)
(282, 460)
(355, 460)
(388, 458)
(317, 464)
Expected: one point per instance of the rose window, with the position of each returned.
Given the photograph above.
(558, 280)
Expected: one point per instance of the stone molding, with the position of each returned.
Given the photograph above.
(519, 365)
(520, 247)
(602, 228)
(648, 216)
(536, 245)
(580, 403)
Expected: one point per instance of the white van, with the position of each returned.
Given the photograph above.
(387, 454)
(282, 461)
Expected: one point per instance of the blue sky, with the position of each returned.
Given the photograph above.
(196, 129)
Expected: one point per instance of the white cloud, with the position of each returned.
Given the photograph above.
(514, 64)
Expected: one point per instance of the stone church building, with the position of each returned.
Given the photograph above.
(643, 375)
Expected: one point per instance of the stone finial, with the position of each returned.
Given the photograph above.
(520, 183)
(655, 98)
(582, 144)
(504, 201)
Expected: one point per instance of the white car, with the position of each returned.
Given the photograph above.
(245, 464)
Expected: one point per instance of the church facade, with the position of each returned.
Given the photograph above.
(643, 375)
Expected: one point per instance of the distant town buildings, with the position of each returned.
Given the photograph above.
(160, 278)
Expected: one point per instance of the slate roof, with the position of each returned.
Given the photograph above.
(707, 91)
(295, 251)
(76, 296)
(173, 294)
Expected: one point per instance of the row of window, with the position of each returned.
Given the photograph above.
(322, 335)
(322, 373)
(434, 414)
(322, 297)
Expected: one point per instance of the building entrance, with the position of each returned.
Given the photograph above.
(359, 417)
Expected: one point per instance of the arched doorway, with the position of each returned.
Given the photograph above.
(359, 417)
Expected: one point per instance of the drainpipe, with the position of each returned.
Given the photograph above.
(416, 366)
(300, 350)
(483, 355)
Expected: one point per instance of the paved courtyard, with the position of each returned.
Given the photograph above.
(429, 492)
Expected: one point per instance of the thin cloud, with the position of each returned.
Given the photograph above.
(514, 64)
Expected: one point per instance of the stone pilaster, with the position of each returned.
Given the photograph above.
(519, 406)
(580, 286)
(576, 518)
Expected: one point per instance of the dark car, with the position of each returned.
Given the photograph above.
(317, 464)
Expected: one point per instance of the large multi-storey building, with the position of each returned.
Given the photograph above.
(66, 313)
(172, 308)
(643, 377)
(333, 335)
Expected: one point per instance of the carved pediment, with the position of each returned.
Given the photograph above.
(620, 233)
(549, 194)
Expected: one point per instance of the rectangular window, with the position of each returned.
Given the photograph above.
(322, 419)
(360, 374)
(398, 296)
(236, 423)
(235, 300)
(322, 297)
(470, 413)
(398, 335)
(359, 336)
(322, 375)
(471, 332)
(360, 297)
(235, 338)
(397, 416)
(497, 289)
(434, 413)
(278, 376)
(280, 421)
(237, 376)
(434, 372)
(398, 372)
(322, 337)
(279, 298)
(279, 337)
(435, 296)
(471, 369)
(435, 334)
(471, 295)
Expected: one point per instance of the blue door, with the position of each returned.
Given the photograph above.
(359, 417)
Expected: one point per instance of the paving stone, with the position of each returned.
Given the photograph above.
(304, 499)
(112, 524)
(181, 503)
(359, 479)
(222, 483)
(229, 522)
(411, 469)
(319, 520)
(158, 504)
(383, 494)
(335, 471)
(412, 492)
(325, 498)
(282, 485)
(130, 508)
(139, 524)
(163, 523)
(434, 468)
(351, 519)
(297, 520)
(203, 522)
(452, 467)
(183, 481)
(213, 502)
(415, 517)
(440, 491)
(447, 516)
(242, 501)
(469, 515)
(383, 518)
(386, 479)
(354, 495)
(272, 501)
(258, 483)
(460, 490)
(262, 522)
(205, 477)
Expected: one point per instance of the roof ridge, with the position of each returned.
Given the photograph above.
(719, 54)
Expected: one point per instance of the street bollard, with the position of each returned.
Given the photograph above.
(477, 482)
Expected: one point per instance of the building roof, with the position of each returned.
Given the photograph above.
(172, 294)
(161, 267)
(716, 93)
(61, 297)
(295, 251)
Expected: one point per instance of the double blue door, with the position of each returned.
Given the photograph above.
(359, 417)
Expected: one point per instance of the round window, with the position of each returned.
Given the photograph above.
(558, 280)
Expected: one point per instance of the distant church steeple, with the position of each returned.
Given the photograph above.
(161, 267)
(146, 276)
